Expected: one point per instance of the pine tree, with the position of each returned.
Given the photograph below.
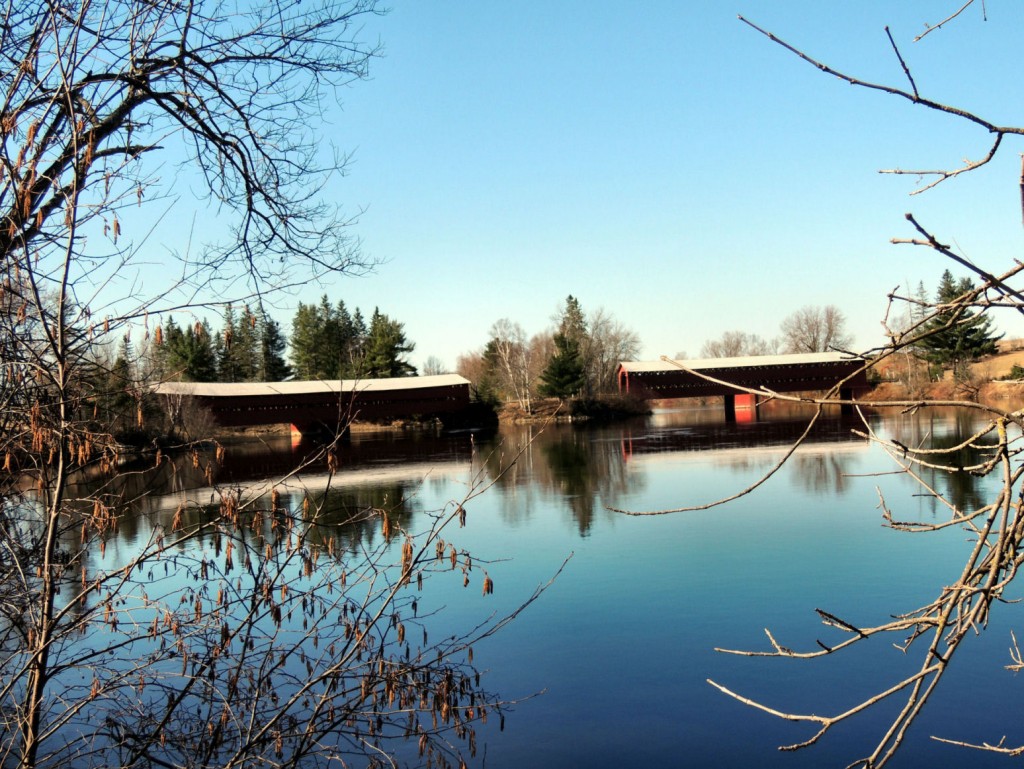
(356, 353)
(565, 374)
(488, 387)
(272, 347)
(187, 354)
(306, 343)
(245, 350)
(168, 360)
(386, 347)
(228, 369)
(573, 323)
(121, 385)
(956, 335)
(348, 343)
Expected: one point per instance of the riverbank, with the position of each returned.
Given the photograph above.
(608, 408)
(1007, 395)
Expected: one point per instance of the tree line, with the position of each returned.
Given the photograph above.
(327, 342)
(576, 357)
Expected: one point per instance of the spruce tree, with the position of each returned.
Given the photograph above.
(246, 348)
(357, 346)
(227, 363)
(956, 335)
(187, 354)
(386, 347)
(488, 388)
(272, 347)
(565, 374)
(305, 342)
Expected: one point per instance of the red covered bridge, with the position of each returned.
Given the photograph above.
(324, 403)
(818, 372)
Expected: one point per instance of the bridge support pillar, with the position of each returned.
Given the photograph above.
(748, 407)
(846, 393)
(746, 403)
(320, 430)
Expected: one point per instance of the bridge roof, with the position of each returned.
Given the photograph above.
(748, 361)
(214, 389)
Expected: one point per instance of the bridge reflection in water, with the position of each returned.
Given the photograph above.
(778, 425)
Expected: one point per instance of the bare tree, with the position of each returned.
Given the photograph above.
(434, 366)
(610, 342)
(939, 629)
(815, 329)
(513, 352)
(241, 632)
(734, 344)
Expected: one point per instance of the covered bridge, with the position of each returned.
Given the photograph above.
(801, 372)
(310, 404)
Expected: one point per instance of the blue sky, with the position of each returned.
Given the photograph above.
(664, 161)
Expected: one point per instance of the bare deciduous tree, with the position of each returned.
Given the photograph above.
(815, 329)
(609, 342)
(434, 366)
(241, 632)
(733, 344)
(513, 352)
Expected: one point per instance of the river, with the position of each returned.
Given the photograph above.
(619, 649)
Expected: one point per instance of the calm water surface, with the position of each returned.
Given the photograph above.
(622, 644)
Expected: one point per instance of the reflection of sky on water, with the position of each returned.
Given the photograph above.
(623, 641)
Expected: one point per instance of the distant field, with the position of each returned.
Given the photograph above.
(998, 366)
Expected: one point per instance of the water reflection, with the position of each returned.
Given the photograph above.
(584, 469)
(945, 430)
(823, 472)
(645, 600)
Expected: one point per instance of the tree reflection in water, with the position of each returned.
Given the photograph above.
(945, 430)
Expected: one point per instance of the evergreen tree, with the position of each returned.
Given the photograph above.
(919, 310)
(121, 388)
(168, 362)
(488, 388)
(348, 343)
(246, 350)
(386, 347)
(956, 334)
(321, 340)
(272, 346)
(571, 353)
(329, 340)
(187, 354)
(357, 346)
(573, 323)
(307, 351)
(329, 343)
(565, 374)
(227, 364)
(239, 359)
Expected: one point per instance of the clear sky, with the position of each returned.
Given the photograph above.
(664, 161)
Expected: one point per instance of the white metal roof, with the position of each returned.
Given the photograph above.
(698, 364)
(208, 389)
